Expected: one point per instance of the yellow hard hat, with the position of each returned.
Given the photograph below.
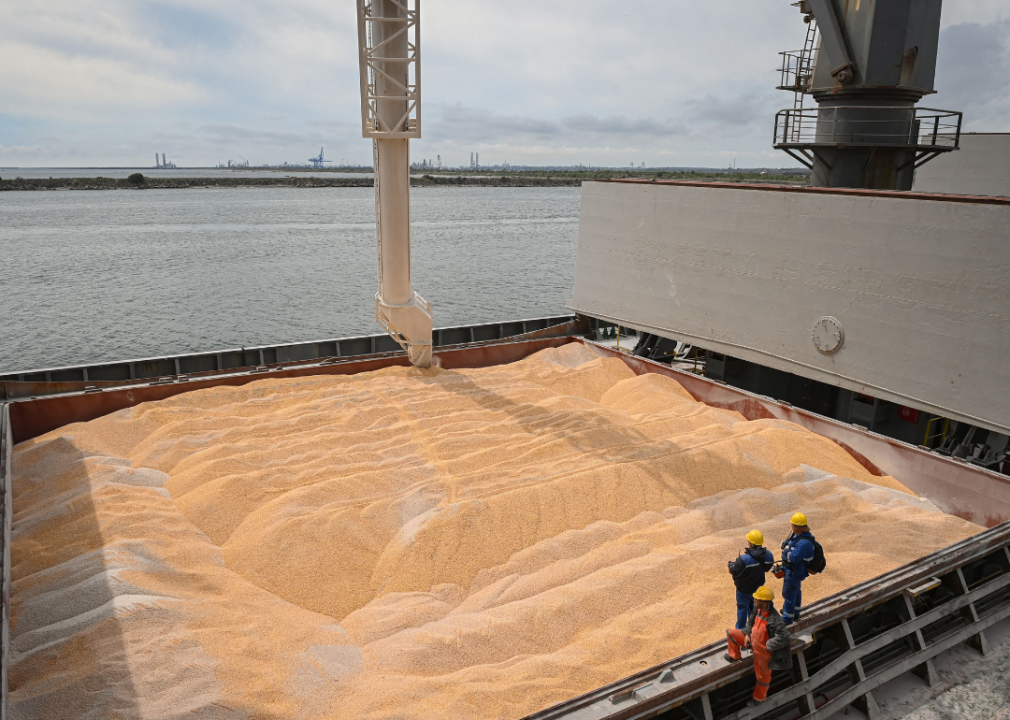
(755, 537)
(799, 520)
(764, 593)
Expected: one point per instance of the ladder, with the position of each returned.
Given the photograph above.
(804, 75)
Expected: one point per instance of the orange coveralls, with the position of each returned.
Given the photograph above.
(762, 658)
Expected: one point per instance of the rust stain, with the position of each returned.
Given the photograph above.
(963, 514)
(862, 460)
(31, 418)
(752, 409)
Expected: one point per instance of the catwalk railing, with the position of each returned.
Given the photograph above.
(925, 129)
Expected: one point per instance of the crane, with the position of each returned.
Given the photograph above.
(871, 67)
(319, 160)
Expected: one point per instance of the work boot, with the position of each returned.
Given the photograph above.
(753, 703)
(730, 658)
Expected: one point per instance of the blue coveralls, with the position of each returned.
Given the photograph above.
(797, 551)
(748, 573)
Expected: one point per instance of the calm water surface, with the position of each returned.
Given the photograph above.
(123, 173)
(105, 275)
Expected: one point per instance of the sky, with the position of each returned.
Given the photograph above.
(103, 83)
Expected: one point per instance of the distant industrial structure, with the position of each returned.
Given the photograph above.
(231, 164)
(163, 164)
(319, 161)
(428, 164)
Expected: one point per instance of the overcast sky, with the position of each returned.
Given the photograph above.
(601, 82)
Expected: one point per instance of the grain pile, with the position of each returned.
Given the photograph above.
(411, 543)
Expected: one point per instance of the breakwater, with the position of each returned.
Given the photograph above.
(148, 183)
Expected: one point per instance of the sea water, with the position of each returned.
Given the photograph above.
(91, 276)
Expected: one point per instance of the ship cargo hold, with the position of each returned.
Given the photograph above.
(132, 591)
(533, 518)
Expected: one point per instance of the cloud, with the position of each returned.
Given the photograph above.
(222, 132)
(709, 124)
(672, 82)
(973, 73)
(958, 12)
(39, 81)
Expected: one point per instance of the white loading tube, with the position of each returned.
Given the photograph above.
(389, 44)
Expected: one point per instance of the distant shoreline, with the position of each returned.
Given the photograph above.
(538, 179)
(287, 182)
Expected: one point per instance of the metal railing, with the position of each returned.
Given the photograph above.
(939, 433)
(27, 383)
(796, 71)
(869, 125)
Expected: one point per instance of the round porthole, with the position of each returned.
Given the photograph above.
(828, 335)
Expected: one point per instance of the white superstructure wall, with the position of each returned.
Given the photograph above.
(919, 287)
(980, 167)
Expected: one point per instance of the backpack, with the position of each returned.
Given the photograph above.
(817, 563)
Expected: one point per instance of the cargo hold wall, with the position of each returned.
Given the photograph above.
(902, 296)
(981, 166)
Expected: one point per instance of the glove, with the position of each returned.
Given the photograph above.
(785, 543)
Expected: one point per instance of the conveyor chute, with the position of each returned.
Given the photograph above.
(389, 56)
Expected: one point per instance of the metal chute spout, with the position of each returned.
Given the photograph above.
(410, 325)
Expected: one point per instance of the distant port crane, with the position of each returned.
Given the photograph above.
(318, 161)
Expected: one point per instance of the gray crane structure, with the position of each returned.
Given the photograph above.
(875, 61)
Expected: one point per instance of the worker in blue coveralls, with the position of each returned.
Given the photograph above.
(797, 551)
(748, 573)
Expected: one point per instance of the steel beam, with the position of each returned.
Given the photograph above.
(833, 39)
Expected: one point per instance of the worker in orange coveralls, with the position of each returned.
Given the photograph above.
(765, 634)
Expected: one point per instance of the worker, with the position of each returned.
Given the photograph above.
(798, 551)
(766, 635)
(748, 573)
